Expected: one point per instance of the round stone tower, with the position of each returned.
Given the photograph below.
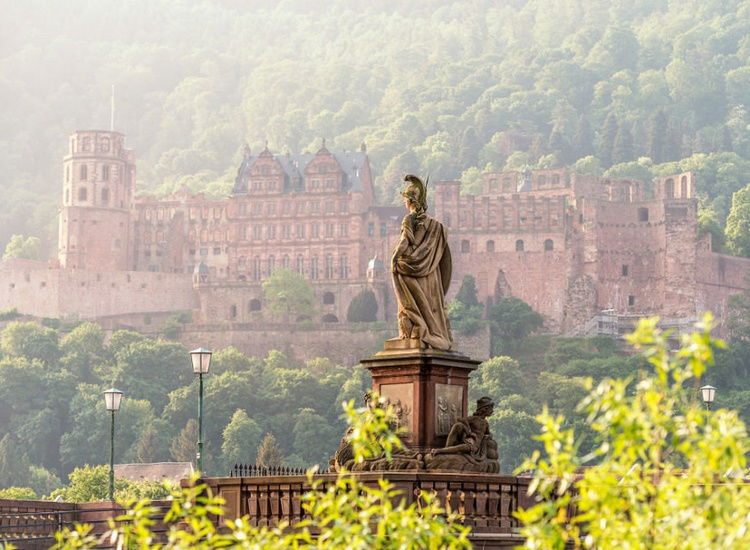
(98, 190)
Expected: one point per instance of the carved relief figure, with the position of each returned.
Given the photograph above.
(469, 447)
(421, 267)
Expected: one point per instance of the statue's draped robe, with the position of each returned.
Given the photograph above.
(422, 274)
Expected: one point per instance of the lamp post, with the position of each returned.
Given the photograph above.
(708, 393)
(112, 400)
(201, 359)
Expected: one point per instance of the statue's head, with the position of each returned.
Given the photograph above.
(415, 194)
(485, 406)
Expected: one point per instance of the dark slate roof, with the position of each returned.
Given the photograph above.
(294, 167)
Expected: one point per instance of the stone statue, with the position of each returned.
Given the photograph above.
(421, 267)
(469, 447)
(401, 459)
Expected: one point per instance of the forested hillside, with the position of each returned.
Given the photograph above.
(439, 87)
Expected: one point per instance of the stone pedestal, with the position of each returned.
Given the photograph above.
(429, 388)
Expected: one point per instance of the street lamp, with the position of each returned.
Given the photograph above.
(201, 359)
(112, 399)
(708, 393)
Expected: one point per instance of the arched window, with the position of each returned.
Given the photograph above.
(83, 172)
(83, 194)
(105, 195)
(549, 245)
(314, 267)
(490, 246)
(253, 305)
(669, 189)
(329, 298)
(330, 318)
(233, 311)
(683, 187)
(465, 246)
(519, 245)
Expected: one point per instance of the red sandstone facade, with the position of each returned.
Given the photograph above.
(588, 253)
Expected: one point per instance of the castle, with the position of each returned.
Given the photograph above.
(588, 253)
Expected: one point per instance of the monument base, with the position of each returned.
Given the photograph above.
(429, 388)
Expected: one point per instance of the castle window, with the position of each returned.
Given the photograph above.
(643, 214)
(300, 207)
(217, 213)
(204, 212)
(287, 207)
(493, 184)
(370, 229)
(286, 231)
(217, 235)
(314, 230)
(285, 262)
(344, 230)
(241, 262)
(329, 207)
(105, 195)
(299, 264)
(329, 184)
(683, 187)
(160, 236)
(330, 318)
(83, 172)
(257, 208)
(105, 144)
(82, 194)
(253, 305)
(627, 193)
(271, 232)
(549, 245)
(344, 266)
(507, 184)
(329, 230)
(328, 273)
(193, 213)
(519, 245)
(243, 232)
(490, 246)
(465, 246)
(265, 170)
(217, 250)
(669, 189)
(541, 181)
(300, 231)
(271, 264)
(159, 214)
(555, 180)
(256, 269)
(233, 311)
(271, 208)
(624, 270)
(345, 206)
(204, 251)
(314, 267)
(631, 300)
(192, 252)
(383, 230)
(257, 232)
(329, 298)
(105, 172)
(314, 206)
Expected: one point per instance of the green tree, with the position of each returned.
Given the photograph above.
(83, 351)
(467, 294)
(91, 484)
(241, 439)
(738, 223)
(150, 445)
(14, 466)
(622, 149)
(652, 481)
(18, 493)
(512, 320)
(269, 453)
(185, 445)
(29, 340)
(288, 293)
(363, 308)
(607, 137)
(18, 247)
(656, 136)
(314, 437)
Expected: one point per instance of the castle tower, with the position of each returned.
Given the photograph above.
(98, 189)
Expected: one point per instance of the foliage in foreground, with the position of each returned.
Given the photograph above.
(667, 474)
(347, 513)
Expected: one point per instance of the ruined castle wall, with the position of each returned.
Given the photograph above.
(718, 277)
(35, 288)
